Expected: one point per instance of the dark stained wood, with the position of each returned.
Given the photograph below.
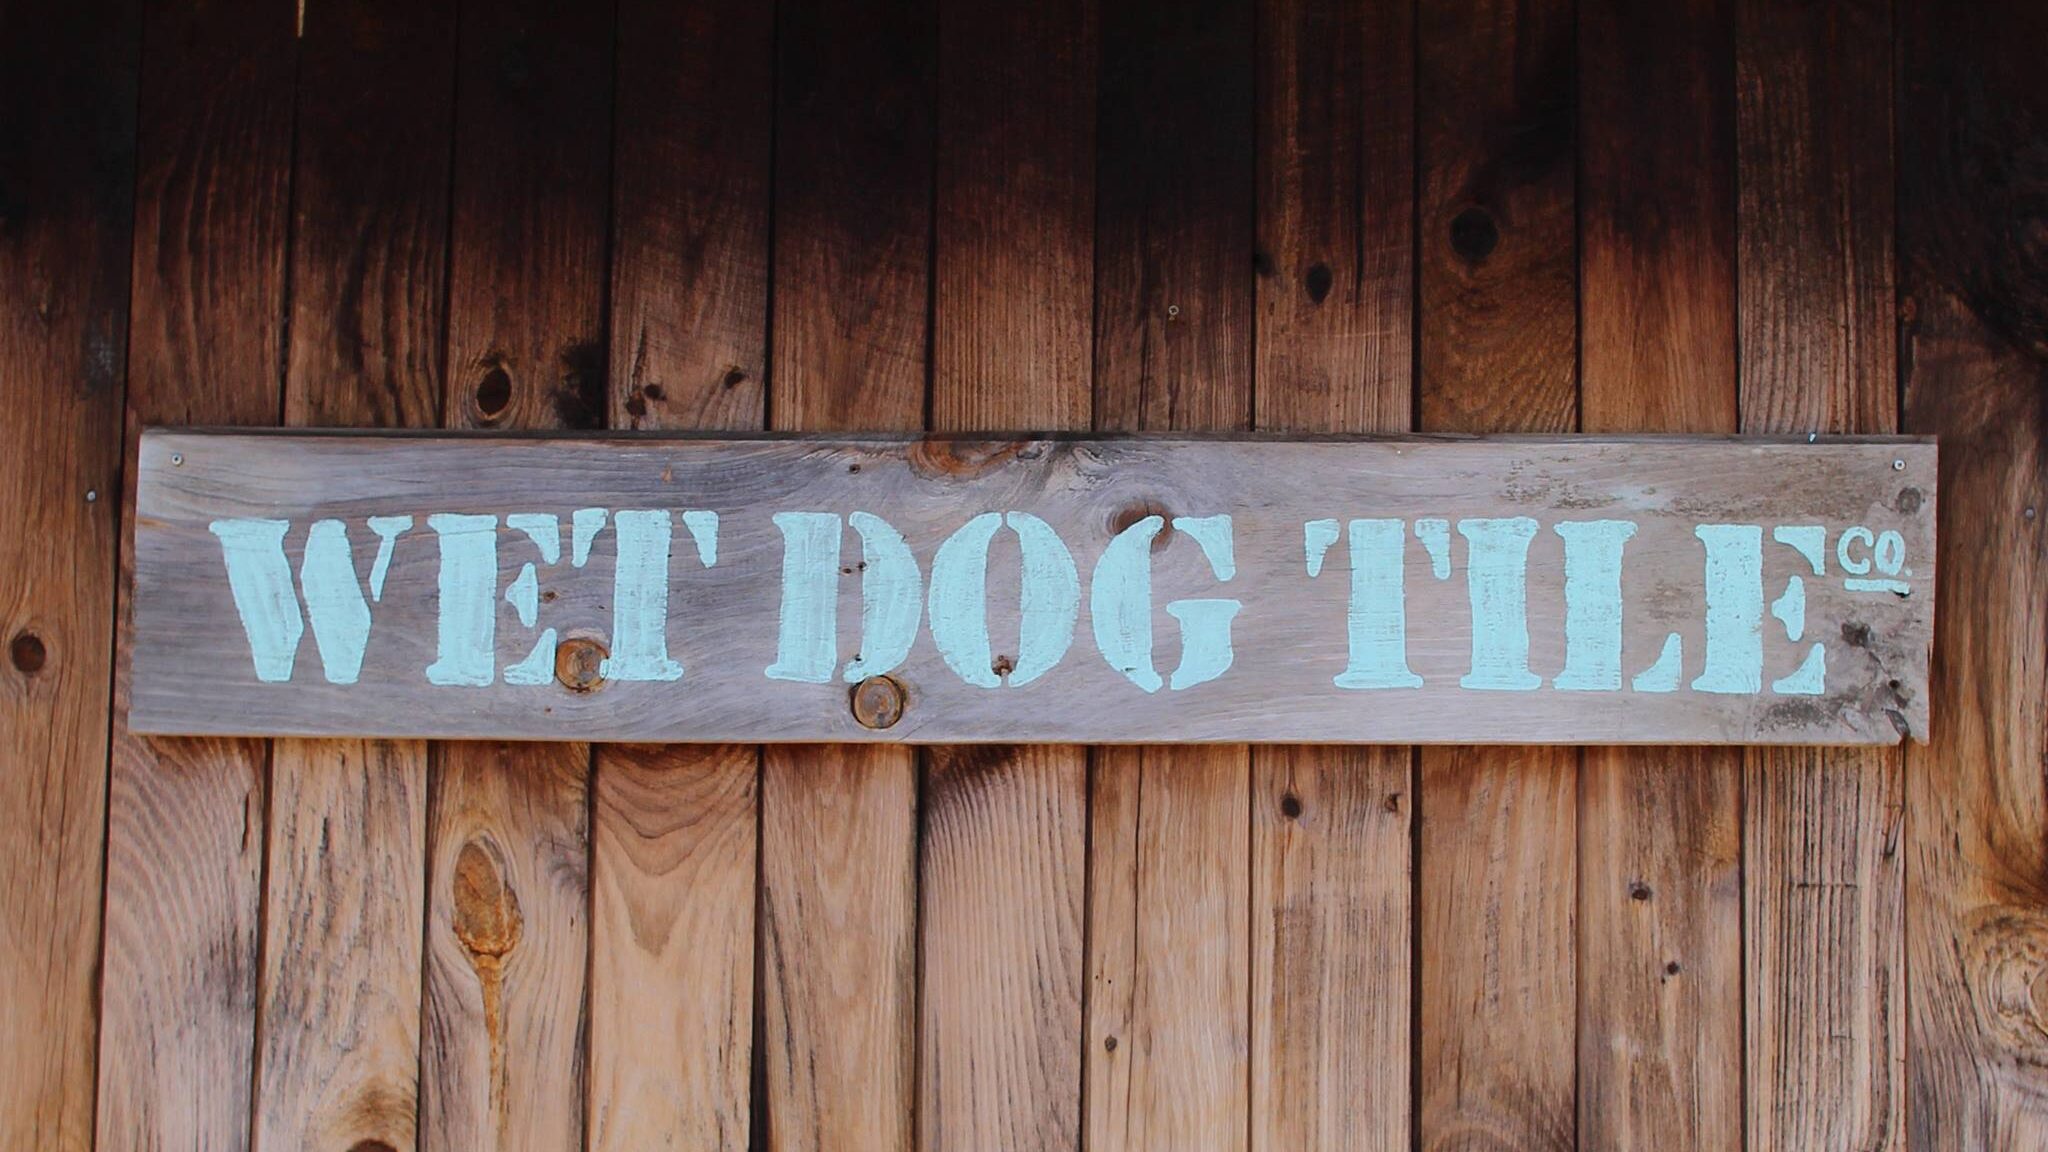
(338, 1041)
(675, 829)
(1498, 839)
(1330, 909)
(1169, 1015)
(1972, 112)
(186, 818)
(838, 937)
(67, 181)
(1660, 914)
(503, 1060)
(1823, 878)
(690, 252)
(853, 221)
(1003, 847)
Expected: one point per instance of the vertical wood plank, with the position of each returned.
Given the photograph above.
(1003, 849)
(1660, 951)
(672, 949)
(674, 829)
(1823, 883)
(67, 180)
(1331, 909)
(1972, 112)
(186, 818)
(1498, 826)
(503, 1061)
(1168, 1031)
(338, 1039)
(852, 269)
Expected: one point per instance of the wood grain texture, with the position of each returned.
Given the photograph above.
(186, 818)
(837, 947)
(1823, 877)
(1290, 644)
(1334, 258)
(1660, 914)
(837, 1059)
(67, 180)
(672, 946)
(1014, 231)
(690, 252)
(503, 1062)
(338, 1041)
(675, 830)
(1168, 971)
(1497, 843)
(1003, 845)
(1971, 116)
(1168, 1051)
(1331, 841)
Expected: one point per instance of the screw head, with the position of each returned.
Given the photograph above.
(878, 702)
(579, 661)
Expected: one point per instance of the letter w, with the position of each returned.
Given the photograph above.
(260, 578)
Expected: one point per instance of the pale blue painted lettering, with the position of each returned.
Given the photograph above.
(1663, 676)
(1377, 616)
(1496, 571)
(1735, 608)
(1435, 535)
(545, 530)
(1592, 604)
(260, 578)
(1316, 538)
(806, 642)
(1120, 602)
(1205, 648)
(468, 581)
(891, 598)
(640, 599)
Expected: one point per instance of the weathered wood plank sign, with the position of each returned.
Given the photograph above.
(1581, 590)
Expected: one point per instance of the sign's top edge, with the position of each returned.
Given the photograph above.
(661, 436)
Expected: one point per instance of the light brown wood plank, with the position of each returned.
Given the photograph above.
(1003, 847)
(1660, 914)
(186, 818)
(1168, 929)
(674, 830)
(1971, 113)
(1497, 844)
(338, 1040)
(1169, 981)
(1330, 912)
(838, 931)
(508, 857)
(503, 1064)
(1823, 883)
(838, 963)
(67, 146)
(672, 948)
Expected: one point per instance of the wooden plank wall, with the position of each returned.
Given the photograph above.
(1454, 215)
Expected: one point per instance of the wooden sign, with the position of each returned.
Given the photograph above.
(1560, 590)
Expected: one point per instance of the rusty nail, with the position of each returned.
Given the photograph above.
(878, 702)
(579, 663)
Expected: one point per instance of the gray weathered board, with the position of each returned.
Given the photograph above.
(1524, 590)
